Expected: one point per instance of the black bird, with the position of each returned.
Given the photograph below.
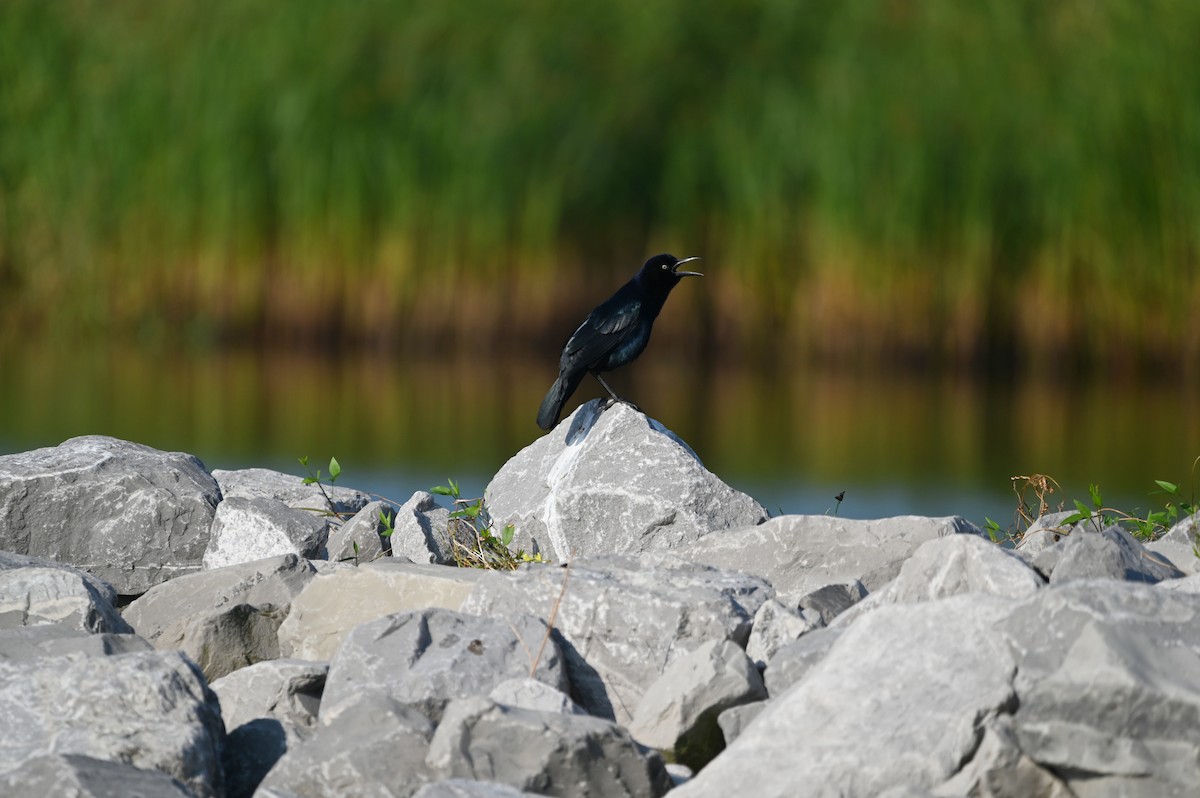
(613, 334)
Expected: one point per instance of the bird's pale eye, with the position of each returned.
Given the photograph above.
(665, 267)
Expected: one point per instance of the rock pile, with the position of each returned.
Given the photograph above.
(263, 647)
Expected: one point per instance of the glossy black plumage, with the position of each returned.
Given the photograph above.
(613, 334)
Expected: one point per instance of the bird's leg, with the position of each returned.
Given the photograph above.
(613, 393)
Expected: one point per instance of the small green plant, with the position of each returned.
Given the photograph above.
(314, 478)
(1149, 526)
(474, 541)
(994, 531)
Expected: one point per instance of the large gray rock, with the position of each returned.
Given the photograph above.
(623, 620)
(1108, 683)
(51, 640)
(344, 597)
(245, 530)
(268, 708)
(1111, 553)
(263, 483)
(734, 720)
(547, 753)
(793, 662)
(420, 531)
(152, 710)
(612, 481)
(35, 596)
(962, 564)
(226, 618)
(361, 539)
(374, 748)
(775, 626)
(1088, 689)
(895, 702)
(469, 788)
(132, 515)
(77, 776)
(678, 714)
(425, 658)
(951, 566)
(288, 690)
(527, 693)
(9, 561)
(826, 603)
(798, 554)
(1180, 545)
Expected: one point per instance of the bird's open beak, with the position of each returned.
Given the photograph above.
(675, 268)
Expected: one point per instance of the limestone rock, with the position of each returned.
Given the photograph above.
(361, 540)
(425, 658)
(34, 596)
(951, 566)
(469, 788)
(792, 663)
(678, 713)
(268, 708)
(1180, 545)
(51, 640)
(1109, 687)
(420, 531)
(78, 776)
(131, 515)
(225, 618)
(622, 620)
(337, 601)
(612, 481)
(826, 603)
(775, 626)
(375, 748)
(931, 671)
(735, 719)
(152, 710)
(548, 753)
(527, 693)
(263, 483)
(798, 554)
(1111, 553)
(245, 530)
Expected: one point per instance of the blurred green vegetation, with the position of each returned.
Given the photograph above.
(1002, 180)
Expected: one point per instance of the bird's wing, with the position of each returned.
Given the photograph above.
(602, 331)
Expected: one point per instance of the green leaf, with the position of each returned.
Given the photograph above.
(1083, 509)
(303, 460)
(1094, 492)
(507, 537)
(1169, 487)
(459, 514)
(309, 480)
(441, 490)
(472, 510)
(1075, 518)
(335, 468)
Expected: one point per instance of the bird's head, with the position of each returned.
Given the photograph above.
(665, 269)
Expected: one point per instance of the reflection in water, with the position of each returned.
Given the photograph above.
(914, 444)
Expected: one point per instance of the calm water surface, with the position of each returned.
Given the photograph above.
(921, 443)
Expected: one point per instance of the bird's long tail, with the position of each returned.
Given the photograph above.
(556, 397)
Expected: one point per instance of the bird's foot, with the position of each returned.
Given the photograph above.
(613, 400)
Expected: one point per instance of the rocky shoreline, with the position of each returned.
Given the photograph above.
(170, 631)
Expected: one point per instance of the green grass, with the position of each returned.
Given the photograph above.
(991, 179)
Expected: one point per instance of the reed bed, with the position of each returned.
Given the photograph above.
(1003, 181)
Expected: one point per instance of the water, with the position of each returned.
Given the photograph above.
(921, 443)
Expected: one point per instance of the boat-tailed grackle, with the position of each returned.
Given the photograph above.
(613, 334)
